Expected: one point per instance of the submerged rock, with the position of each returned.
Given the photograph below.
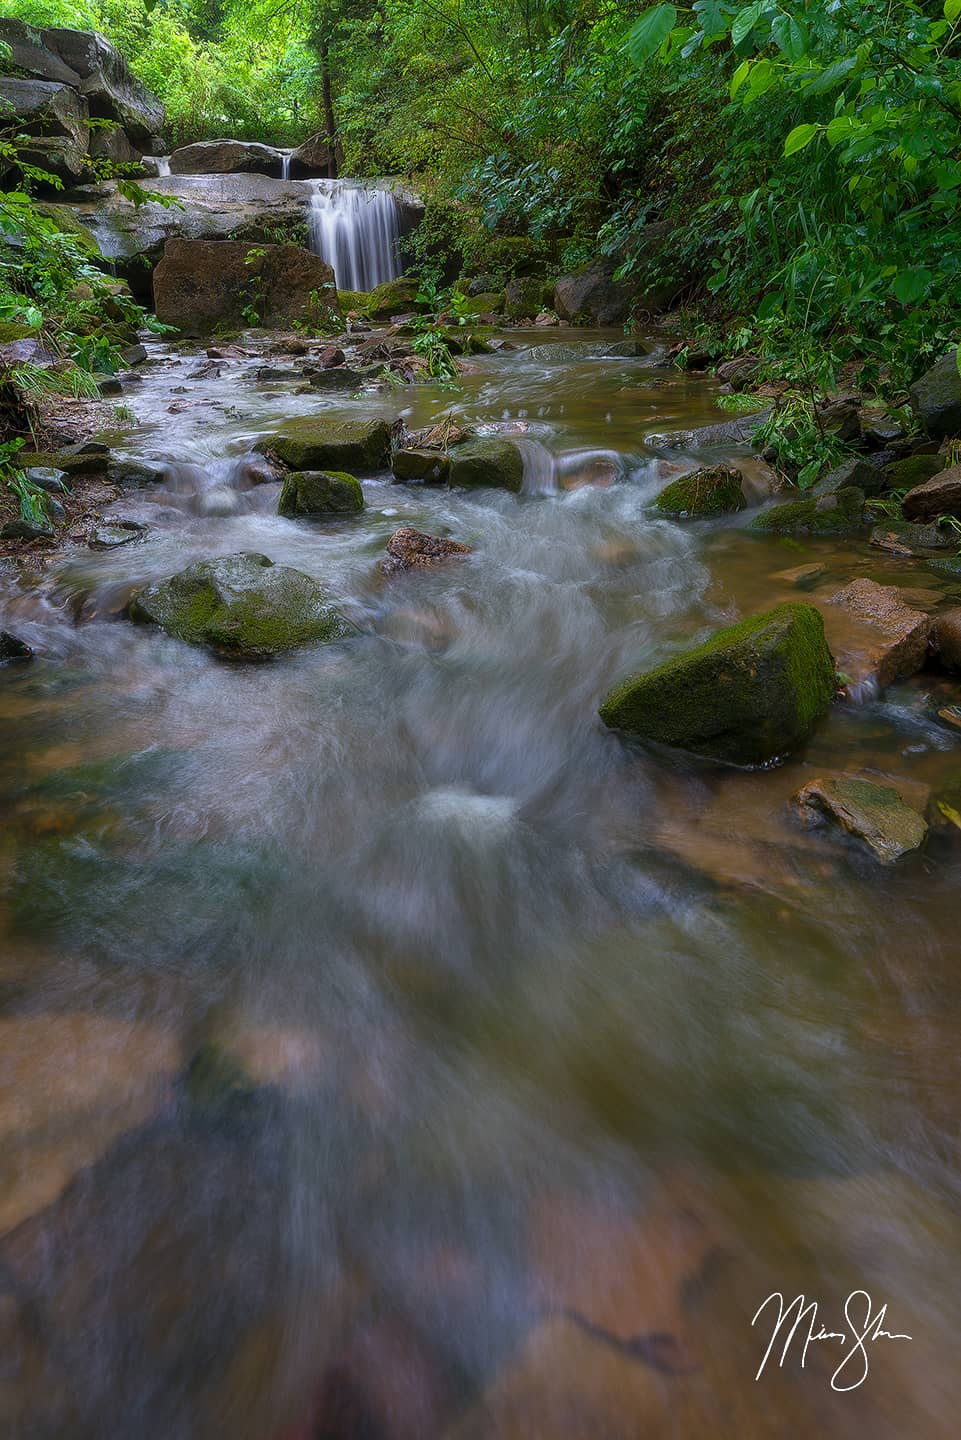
(936, 398)
(750, 694)
(409, 549)
(359, 447)
(113, 533)
(941, 495)
(827, 515)
(487, 460)
(13, 649)
(243, 606)
(320, 492)
(873, 813)
(421, 467)
(900, 537)
(894, 637)
(716, 491)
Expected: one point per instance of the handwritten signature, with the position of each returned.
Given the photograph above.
(864, 1327)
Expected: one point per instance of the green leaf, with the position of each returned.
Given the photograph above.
(800, 136)
(745, 21)
(770, 305)
(948, 811)
(648, 35)
(763, 77)
(911, 286)
(790, 38)
(832, 76)
(842, 127)
(952, 10)
(739, 76)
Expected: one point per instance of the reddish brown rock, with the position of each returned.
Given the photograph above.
(946, 638)
(877, 637)
(201, 284)
(941, 495)
(409, 549)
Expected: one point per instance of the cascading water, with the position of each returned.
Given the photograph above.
(356, 229)
(285, 164)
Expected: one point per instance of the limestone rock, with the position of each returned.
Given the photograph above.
(750, 694)
(409, 549)
(891, 640)
(54, 120)
(941, 495)
(873, 813)
(320, 492)
(243, 606)
(359, 447)
(201, 284)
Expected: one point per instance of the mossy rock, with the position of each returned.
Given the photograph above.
(875, 814)
(836, 514)
(358, 300)
(487, 460)
(914, 470)
(526, 296)
(749, 695)
(489, 302)
(421, 467)
(715, 491)
(243, 606)
(359, 447)
(394, 297)
(950, 566)
(68, 222)
(80, 464)
(11, 330)
(320, 492)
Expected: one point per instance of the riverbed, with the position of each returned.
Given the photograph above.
(388, 1049)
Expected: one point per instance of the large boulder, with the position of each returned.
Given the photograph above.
(360, 447)
(320, 492)
(524, 297)
(250, 208)
(243, 606)
(487, 460)
(54, 118)
(835, 514)
(875, 814)
(227, 157)
(936, 398)
(941, 495)
(316, 159)
(202, 284)
(393, 297)
(111, 89)
(592, 296)
(750, 694)
(30, 55)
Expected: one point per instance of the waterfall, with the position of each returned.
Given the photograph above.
(355, 228)
(285, 164)
(163, 166)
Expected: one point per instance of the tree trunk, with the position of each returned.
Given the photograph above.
(330, 123)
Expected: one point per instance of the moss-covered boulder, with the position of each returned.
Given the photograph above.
(913, 470)
(936, 398)
(421, 467)
(750, 694)
(900, 537)
(835, 514)
(394, 297)
(488, 302)
(487, 460)
(356, 300)
(243, 606)
(525, 296)
(715, 491)
(359, 447)
(320, 492)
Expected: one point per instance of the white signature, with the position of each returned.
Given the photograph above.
(863, 1329)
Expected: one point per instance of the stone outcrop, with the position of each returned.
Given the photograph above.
(242, 606)
(359, 447)
(936, 398)
(227, 157)
(315, 159)
(750, 694)
(875, 814)
(592, 296)
(202, 284)
(54, 119)
(941, 495)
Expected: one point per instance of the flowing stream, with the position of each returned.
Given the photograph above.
(387, 1050)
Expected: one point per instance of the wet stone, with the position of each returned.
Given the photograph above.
(875, 814)
(409, 549)
(114, 533)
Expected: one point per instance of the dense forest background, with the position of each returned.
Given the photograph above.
(804, 156)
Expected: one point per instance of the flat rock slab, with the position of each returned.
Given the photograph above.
(887, 640)
(242, 606)
(873, 813)
(359, 447)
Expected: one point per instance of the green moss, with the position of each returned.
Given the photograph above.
(394, 297)
(749, 694)
(358, 300)
(716, 491)
(489, 302)
(242, 606)
(427, 467)
(359, 447)
(905, 474)
(320, 492)
(487, 460)
(826, 515)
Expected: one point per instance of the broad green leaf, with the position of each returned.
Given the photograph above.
(842, 127)
(770, 305)
(763, 77)
(648, 35)
(952, 10)
(911, 286)
(739, 76)
(800, 136)
(833, 75)
(746, 19)
(711, 16)
(790, 38)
